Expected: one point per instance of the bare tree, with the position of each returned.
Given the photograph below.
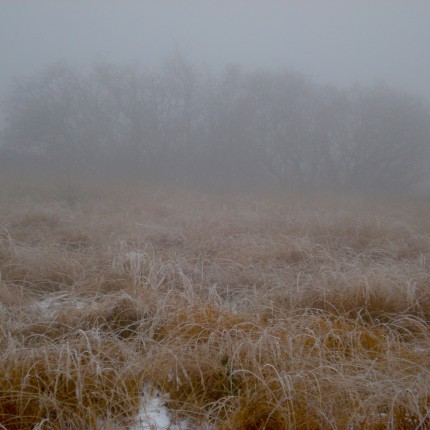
(389, 139)
(230, 127)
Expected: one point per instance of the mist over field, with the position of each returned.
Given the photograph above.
(291, 94)
(214, 215)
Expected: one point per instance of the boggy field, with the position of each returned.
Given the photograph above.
(244, 311)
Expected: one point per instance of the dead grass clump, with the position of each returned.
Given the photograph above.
(119, 314)
(307, 370)
(68, 386)
(257, 414)
(104, 281)
(355, 287)
(42, 269)
(37, 220)
(335, 337)
(409, 328)
(35, 227)
(405, 419)
(164, 240)
(195, 383)
(198, 323)
(54, 318)
(11, 295)
(75, 241)
(377, 236)
(34, 334)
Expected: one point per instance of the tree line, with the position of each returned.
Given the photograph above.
(181, 123)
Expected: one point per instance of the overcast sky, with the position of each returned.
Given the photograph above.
(333, 41)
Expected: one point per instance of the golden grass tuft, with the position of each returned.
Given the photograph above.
(69, 385)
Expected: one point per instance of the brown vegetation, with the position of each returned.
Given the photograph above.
(251, 312)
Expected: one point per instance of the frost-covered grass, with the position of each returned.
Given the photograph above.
(157, 308)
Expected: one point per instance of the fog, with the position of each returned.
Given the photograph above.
(214, 214)
(292, 59)
(337, 42)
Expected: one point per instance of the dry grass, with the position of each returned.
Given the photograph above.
(251, 312)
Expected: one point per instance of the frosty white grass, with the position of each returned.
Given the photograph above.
(228, 311)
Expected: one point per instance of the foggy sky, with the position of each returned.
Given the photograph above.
(339, 42)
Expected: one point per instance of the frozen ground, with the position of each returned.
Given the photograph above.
(153, 415)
